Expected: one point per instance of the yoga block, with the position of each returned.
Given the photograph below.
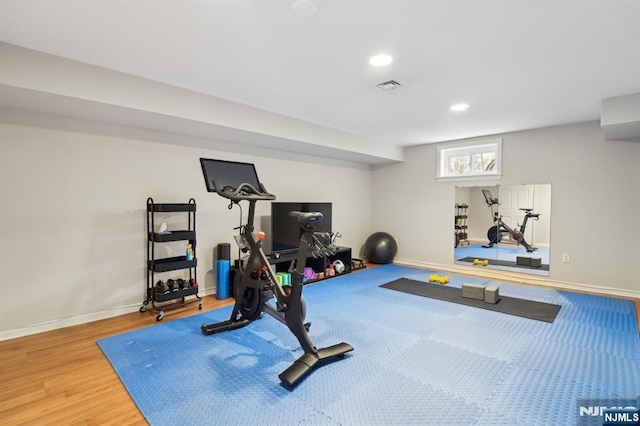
(491, 294)
(535, 262)
(473, 291)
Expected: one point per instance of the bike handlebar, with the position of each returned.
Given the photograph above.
(244, 191)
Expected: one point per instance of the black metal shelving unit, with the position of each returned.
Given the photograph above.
(160, 299)
(318, 264)
(460, 227)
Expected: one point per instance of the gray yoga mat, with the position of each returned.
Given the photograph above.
(509, 305)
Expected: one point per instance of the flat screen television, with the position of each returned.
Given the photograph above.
(285, 231)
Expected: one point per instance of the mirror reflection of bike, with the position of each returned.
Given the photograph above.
(497, 231)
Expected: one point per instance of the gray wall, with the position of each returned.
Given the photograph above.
(72, 211)
(595, 204)
(73, 217)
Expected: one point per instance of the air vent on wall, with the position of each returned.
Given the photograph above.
(388, 85)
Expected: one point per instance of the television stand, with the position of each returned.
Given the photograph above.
(319, 264)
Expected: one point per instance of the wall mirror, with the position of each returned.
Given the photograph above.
(505, 227)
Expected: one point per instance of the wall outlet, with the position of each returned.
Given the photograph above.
(566, 258)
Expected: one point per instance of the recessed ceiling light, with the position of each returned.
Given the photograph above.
(380, 60)
(459, 107)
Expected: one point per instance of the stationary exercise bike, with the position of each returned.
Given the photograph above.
(255, 283)
(496, 232)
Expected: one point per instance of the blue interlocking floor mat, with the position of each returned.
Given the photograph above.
(416, 360)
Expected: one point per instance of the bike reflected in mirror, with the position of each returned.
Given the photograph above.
(510, 231)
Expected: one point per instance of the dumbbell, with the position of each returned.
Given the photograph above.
(480, 262)
(437, 278)
(182, 284)
(193, 283)
(162, 287)
(173, 285)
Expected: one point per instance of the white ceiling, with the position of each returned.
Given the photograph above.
(520, 64)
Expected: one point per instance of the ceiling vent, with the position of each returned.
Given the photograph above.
(388, 85)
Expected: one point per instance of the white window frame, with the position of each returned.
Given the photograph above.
(447, 150)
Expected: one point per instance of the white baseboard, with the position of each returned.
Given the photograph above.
(523, 278)
(67, 322)
(460, 269)
(76, 320)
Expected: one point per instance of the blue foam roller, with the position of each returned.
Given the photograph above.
(222, 279)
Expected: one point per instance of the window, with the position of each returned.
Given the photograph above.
(470, 160)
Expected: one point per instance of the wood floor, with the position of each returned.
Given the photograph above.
(61, 377)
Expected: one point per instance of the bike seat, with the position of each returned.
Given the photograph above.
(306, 217)
(526, 210)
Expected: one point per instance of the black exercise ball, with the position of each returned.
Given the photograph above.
(380, 247)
